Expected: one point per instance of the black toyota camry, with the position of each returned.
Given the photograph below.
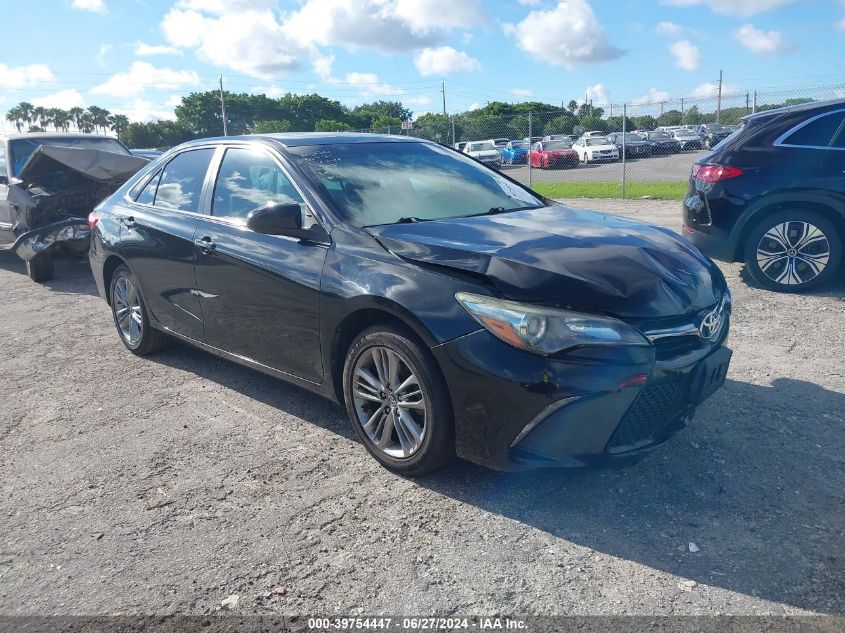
(450, 309)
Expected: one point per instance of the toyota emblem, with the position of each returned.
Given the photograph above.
(710, 324)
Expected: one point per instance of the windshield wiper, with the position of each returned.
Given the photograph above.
(498, 210)
(410, 220)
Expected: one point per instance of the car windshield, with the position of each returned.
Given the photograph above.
(556, 145)
(684, 133)
(382, 183)
(519, 145)
(21, 149)
(481, 147)
(658, 135)
(629, 138)
(596, 141)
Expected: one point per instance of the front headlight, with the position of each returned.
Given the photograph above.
(546, 330)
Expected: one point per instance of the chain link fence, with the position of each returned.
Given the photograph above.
(628, 150)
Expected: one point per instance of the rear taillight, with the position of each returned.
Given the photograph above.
(93, 218)
(714, 173)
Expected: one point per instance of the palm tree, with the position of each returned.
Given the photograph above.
(15, 115)
(76, 115)
(86, 123)
(119, 123)
(61, 119)
(99, 117)
(27, 110)
(40, 114)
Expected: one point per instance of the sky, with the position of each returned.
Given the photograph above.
(139, 57)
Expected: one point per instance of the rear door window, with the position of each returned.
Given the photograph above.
(180, 186)
(148, 193)
(817, 133)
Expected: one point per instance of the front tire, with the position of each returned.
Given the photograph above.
(41, 268)
(131, 317)
(793, 251)
(398, 402)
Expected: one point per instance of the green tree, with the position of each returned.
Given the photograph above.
(562, 124)
(119, 123)
(590, 124)
(437, 127)
(366, 115)
(15, 116)
(572, 106)
(328, 125)
(693, 116)
(99, 117)
(614, 124)
(76, 115)
(271, 127)
(40, 115)
(672, 117)
(158, 134)
(646, 122)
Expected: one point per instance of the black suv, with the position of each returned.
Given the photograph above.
(773, 195)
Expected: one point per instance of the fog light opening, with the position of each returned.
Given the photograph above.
(634, 381)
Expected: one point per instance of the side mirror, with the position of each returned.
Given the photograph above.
(276, 219)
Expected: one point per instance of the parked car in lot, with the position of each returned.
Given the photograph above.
(569, 138)
(661, 142)
(450, 309)
(500, 142)
(687, 139)
(460, 146)
(551, 154)
(149, 154)
(484, 151)
(595, 149)
(515, 153)
(532, 140)
(49, 183)
(773, 195)
(594, 134)
(713, 133)
(635, 147)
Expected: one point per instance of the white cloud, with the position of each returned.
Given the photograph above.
(686, 55)
(149, 50)
(568, 35)
(322, 65)
(444, 60)
(24, 76)
(669, 28)
(251, 42)
(760, 42)
(219, 7)
(742, 8)
(417, 101)
(273, 92)
(63, 99)
(473, 106)
(710, 89)
(100, 57)
(654, 96)
(522, 92)
(598, 94)
(369, 85)
(142, 110)
(840, 26)
(95, 6)
(143, 75)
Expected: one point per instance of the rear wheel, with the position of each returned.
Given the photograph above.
(793, 251)
(131, 317)
(41, 268)
(397, 401)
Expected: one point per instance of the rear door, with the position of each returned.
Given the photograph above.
(5, 210)
(260, 293)
(157, 240)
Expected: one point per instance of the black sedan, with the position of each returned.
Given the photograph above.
(634, 145)
(661, 143)
(450, 309)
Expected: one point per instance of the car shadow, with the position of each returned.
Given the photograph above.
(73, 273)
(833, 288)
(756, 484)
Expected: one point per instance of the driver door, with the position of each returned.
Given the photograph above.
(259, 293)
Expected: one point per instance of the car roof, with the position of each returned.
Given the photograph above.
(801, 107)
(299, 139)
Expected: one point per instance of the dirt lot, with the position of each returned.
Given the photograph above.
(168, 484)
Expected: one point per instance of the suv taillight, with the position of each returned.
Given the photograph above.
(93, 218)
(714, 173)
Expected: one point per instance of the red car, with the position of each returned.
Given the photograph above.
(553, 154)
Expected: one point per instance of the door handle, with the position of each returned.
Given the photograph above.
(205, 244)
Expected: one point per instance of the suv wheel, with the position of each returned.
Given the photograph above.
(398, 402)
(131, 317)
(793, 251)
(41, 268)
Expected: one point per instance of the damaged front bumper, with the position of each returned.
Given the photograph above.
(43, 239)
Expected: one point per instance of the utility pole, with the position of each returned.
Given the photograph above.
(719, 103)
(747, 103)
(754, 108)
(443, 90)
(223, 109)
(682, 110)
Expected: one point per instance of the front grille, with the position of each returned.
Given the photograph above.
(669, 347)
(653, 413)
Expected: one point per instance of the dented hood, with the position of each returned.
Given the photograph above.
(47, 161)
(569, 258)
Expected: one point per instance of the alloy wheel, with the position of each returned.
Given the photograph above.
(793, 253)
(389, 402)
(127, 310)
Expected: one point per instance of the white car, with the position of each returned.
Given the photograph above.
(593, 149)
(485, 151)
(594, 134)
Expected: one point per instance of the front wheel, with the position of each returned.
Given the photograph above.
(131, 317)
(398, 402)
(793, 251)
(41, 268)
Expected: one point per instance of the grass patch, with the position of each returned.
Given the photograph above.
(655, 190)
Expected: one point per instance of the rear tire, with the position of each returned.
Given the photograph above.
(408, 429)
(793, 251)
(41, 268)
(130, 315)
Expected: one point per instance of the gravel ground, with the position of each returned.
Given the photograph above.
(168, 484)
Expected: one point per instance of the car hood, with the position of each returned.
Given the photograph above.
(49, 162)
(568, 258)
(601, 148)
